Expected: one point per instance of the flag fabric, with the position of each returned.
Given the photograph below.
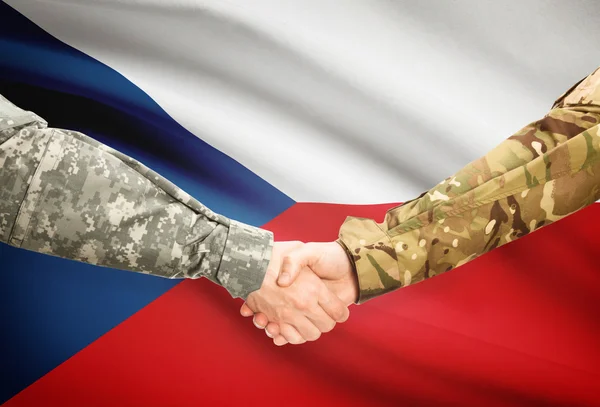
(292, 116)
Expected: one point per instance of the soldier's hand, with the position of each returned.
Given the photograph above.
(329, 262)
(303, 310)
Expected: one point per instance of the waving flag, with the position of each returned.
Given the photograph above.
(292, 116)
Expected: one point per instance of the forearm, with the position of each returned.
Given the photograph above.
(68, 195)
(543, 173)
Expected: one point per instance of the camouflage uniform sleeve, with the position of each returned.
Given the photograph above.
(67, 195)
(544, 172)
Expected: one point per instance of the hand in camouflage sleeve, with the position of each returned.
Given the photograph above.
(68, 195)
(544, 172)
(330, 263)
(303, 310)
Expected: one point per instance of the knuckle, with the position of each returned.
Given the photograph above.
(301, 303)
(312, 290)
(339, 313)
(285, 314)
(251, 301)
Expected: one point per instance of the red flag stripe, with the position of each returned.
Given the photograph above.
(516, 327)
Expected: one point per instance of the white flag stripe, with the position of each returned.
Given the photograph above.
(339, 101)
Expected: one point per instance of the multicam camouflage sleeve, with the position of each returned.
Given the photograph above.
(65, 194)
(544, 172)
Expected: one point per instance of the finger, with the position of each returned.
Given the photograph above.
(259, 324)
(333, 306)
(306, 329)
(291, 334)
(321, 320)
(260, 320)
(280, 341)
(246, 311)
(293, 262)
(272, 330)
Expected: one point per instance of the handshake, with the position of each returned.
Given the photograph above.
(306, 290)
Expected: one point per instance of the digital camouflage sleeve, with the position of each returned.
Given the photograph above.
(65, 194)
(544, 172)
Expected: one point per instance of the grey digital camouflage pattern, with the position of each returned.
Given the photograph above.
(67, 195)
(544, 172)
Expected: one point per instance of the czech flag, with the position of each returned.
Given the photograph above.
(292, 115)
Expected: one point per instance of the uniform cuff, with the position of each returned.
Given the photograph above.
(245, 259)
(373, 256)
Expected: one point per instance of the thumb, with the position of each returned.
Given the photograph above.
(293, 262)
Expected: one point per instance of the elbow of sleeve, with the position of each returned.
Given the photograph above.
(245, 259)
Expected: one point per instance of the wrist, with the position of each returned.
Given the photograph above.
(351, 290)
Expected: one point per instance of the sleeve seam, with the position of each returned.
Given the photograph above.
(218, 266)
(465, 208)
(11, 240)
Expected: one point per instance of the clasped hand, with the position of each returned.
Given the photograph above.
(307, 290)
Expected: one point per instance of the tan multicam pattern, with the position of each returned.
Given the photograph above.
(65, 194)
(544, 172)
